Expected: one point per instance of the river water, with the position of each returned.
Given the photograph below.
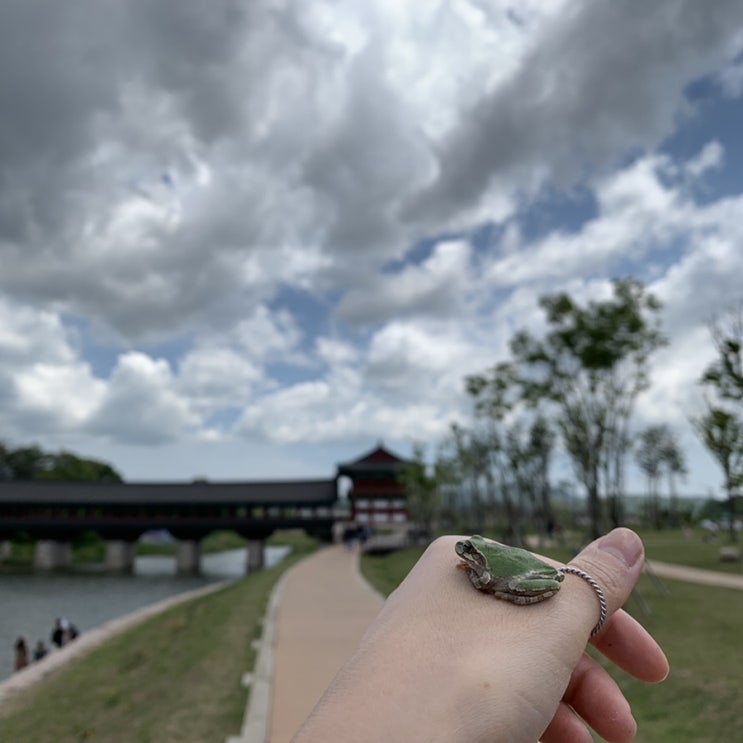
(30, 603)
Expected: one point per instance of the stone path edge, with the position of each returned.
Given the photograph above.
(258, 709)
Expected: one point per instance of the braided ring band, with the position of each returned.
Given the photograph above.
(599, 594)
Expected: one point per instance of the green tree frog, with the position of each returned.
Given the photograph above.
(508, 573)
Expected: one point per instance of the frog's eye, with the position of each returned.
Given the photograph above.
(463, 547)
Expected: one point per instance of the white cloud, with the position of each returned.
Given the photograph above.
(267, 336)
(638, 214)
(214, 378)
(598, 80)
(436, 287)
(28, 336)
(334, 352)
(46, 387)
(141, 404)
(414, 359)
(710, 157)
(235, 199)
(731, 79)
(65, 395)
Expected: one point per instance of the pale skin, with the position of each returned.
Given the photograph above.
(444, 662)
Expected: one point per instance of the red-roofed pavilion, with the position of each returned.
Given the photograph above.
(377, 497)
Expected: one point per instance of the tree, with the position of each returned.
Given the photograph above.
(32, 463)
(529, 455)
(423, 489)
(720, 428)
(541, 446)
(496, 396)
(68, 466)
(26, 462)
(464, 456)
(675, 465)
(6, 472)
(725, 374)
(591, 365)
(650, 456)
(721, 432)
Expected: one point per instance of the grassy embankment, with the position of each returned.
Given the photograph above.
(176, 677)
(698, 627)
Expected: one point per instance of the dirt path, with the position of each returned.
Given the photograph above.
(696, 575)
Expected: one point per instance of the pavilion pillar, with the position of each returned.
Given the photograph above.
(120, 556)
(50, 554)
(6, 548)
(254, 555)
(188, 557)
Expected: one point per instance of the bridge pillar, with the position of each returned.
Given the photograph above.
(50, 554)
(254, 555)
(120, 556)
(188, 557)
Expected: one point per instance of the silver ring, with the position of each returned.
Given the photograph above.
(597, 589)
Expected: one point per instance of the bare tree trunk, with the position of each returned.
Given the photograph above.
(594, 504)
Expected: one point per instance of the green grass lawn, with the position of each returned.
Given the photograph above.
(174, 678)
(699, 628)
(674, 546)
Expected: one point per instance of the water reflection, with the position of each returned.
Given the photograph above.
(30, 603)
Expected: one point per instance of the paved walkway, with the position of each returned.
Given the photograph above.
(696, 575)
(323, 611)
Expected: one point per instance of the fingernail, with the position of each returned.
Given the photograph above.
(623, 544)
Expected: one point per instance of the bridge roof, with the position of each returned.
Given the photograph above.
(299, 492)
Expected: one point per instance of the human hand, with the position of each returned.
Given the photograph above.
(443, 662)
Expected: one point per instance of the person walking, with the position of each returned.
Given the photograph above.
(21, 653)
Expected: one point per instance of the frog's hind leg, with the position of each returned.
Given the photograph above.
(524, 599)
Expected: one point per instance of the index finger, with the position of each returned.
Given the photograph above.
(627, 643)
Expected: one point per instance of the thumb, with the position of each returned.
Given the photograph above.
(610, 566)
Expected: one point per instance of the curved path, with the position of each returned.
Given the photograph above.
(696, 575)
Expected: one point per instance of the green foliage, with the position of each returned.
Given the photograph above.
(720, 427)
(23, 463)
(422, 487)
(658, 451)
(68, 466)
(721, 431)
(592, 364)
(588, 369)
(725, 374)
(32, 463)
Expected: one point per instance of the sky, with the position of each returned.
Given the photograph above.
(250, 240)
